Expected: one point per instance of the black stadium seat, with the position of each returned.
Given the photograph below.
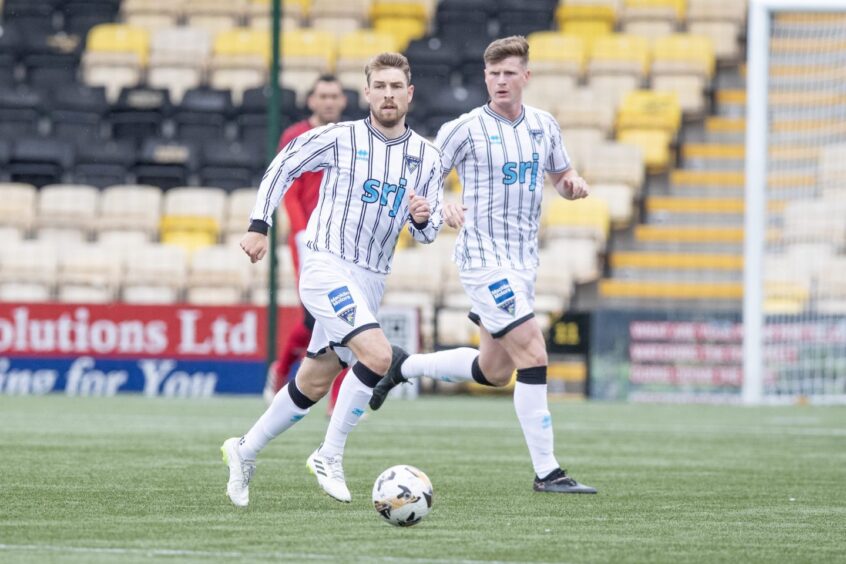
(451, 103)
(252, 115)
(104, 163)
(81, 15)
(522, 17)
(40, 161)
(165, 163)
(5, 150)
(76, 112)
(230, 165)
(203, 114)
(464, 18)
(7, 68)
(139, 113)
(20, 111)
(432, 57)
(32, 17)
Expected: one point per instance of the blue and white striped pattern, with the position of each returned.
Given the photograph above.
(363, 201)
(501, 165)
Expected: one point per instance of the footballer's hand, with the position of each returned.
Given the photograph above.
(454, 215)
(418, 207)
(575, 188)
(255, 245)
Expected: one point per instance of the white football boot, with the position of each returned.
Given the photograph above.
(330, 475)
(240, 472)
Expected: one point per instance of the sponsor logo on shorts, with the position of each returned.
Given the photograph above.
(343, 304)
(503, 296)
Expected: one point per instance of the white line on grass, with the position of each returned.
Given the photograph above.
(167, 553)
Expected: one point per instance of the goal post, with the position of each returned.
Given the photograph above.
(793, 347)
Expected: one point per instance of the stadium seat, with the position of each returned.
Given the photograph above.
(655, 144)
(579, 17)
(118, 38)
(165, 163)
(644, 109)
(51, 60)
(238, 209)
(28, 263)
(620, 201)
(218, 275)
(432, 57)
(229, 165)
(339, 18)
(522, 17)
(103, 163)
(130, 208)
(585, 108)
(139, 113)
(67, 212)
(450, 103)
(113, 71)
(151, 14)
(660, 16)
(178, 59)
(259, 15)
(306, 54)
(615, 163)
(580, 256)
(252, 116)
(462, 19)
(154, 274)
(553, 285)
(215, 15)
(578, 218)
(355, 50)
(579, 142)
(685, 64)
(192, 217)
(40, 161)
(88, 273)
(17, 206)
(203, 114)
(617, 54)
(20, 111)
(81, 15)
(76, 112)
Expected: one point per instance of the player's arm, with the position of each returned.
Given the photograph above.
(570, 185)
(305, 153)
(424, 208)
(453, 141)
(564, 177)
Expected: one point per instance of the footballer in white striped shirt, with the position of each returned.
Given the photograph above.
(502, 151)
(380, 177)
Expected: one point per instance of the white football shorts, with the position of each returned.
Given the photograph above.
(344, 300)
(501, 298)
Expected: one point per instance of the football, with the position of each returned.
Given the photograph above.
(402, 495)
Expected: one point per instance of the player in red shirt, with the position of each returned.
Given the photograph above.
(326, 101)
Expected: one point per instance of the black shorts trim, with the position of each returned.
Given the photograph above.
(474, 317)
(516, 323)
(324, 350)
(356, 331)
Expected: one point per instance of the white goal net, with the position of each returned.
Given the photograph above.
(795, 247)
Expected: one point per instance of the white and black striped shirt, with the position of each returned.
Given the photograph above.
(363, 200)
(501, 165)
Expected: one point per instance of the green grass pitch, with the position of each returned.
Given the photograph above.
(132, 479)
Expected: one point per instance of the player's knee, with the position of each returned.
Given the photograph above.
(378, 359)
(499, 377)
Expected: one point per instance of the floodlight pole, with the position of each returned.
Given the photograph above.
(272, 142)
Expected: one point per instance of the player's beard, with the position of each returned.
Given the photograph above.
(379, 115)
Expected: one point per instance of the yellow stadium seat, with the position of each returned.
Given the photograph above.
(683, 53)
(243, 41)
(188, 232)
(647, 109)
(387, 9)
(117, 38)
(654, 9)
(602, 16)
(588, 30)
(403, 29)
(619, 54)
(578, 218)
(362, 45)
(215, 15)
(655, 144)
(559, 52)
(308, 48)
